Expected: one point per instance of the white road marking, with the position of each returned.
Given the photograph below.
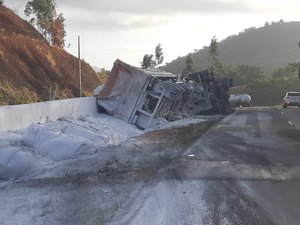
(225, 120)
(290, 123)
(282, 113)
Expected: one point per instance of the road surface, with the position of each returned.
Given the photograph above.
(244, 170)
(241, 170)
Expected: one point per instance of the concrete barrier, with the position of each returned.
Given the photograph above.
(16, 117)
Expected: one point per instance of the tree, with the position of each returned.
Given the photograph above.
(159, 58)
(249, 74)
(216, 66)
(58, 31)
(287, 72)
(1, 2)
(189, 65)
(44, 18)
(42, 13)
(148, 61)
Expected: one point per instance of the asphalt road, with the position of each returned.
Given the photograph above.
(241, 170)
(292, 114)
(244, 170)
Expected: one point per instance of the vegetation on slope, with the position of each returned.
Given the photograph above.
(262, 62)
(32, 70)
(269, 48)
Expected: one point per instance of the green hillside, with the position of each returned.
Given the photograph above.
(269, 47)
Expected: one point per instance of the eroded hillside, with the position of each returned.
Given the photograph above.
(32, 70)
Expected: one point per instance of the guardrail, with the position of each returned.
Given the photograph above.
(14, 117)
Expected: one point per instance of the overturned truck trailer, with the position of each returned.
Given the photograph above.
(217, 90)
(138, 96)
(147, 97)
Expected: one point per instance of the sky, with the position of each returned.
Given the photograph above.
(129, 29)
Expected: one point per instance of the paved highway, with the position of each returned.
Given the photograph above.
(293, 116)
(241, 170)
(244, 170)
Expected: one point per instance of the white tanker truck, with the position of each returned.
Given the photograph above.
(243, 100)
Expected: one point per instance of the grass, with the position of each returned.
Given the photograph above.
(50, 59)
(1, 54)
(10, 95)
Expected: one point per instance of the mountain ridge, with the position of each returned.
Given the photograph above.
(269, 47)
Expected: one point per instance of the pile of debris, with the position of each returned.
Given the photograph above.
(147, 97)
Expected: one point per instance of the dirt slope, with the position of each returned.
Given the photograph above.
(32, 70)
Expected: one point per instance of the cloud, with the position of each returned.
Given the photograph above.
(114, 21)
(159, 6)
(136, 15)
(115, 15)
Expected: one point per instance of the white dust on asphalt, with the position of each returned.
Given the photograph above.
(51, 150)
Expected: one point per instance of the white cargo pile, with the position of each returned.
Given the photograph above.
(42, 146)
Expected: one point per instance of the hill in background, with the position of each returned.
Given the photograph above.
(32, 70)
(269, 47)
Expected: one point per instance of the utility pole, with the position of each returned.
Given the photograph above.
(299, 67)
(79, 66)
